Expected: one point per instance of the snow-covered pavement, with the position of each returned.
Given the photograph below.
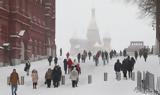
(98, 86)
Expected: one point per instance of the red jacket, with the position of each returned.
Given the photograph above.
(69, 63)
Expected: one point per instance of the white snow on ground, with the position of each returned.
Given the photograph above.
(98, 86)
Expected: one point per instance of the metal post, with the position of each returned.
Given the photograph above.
(8, 80)
(89, 79)
(105, 76)
(63, 80)
(22, 80)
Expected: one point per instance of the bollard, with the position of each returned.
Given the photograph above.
(151, 82)
(139, 81)
(63, 80)
(118, 76)
(8, 80)
(89, 79)
(105, 76)
(133, 76)
(158, 85)
(22, 80)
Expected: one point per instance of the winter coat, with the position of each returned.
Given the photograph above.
(79, 56)
(78, 68)
(117, 67)
(56, 73)
(48, 74)
(124, 65)
(14, 78)
(69, 63)
(74, 74)
(50, 58)
(27, 66)
(145, 54)
(89, 53)
(55, 60)
(132, 63)
(34, 77)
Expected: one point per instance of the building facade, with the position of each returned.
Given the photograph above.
(37, 19)
(134, 46)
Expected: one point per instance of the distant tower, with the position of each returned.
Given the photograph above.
(93, 36)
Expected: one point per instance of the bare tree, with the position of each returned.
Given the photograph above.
(147, 7)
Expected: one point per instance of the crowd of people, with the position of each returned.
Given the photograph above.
(73, 69)
(126, 66)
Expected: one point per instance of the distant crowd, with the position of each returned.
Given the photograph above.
(73, 68)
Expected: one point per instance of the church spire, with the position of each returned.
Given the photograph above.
(93, 8)
(93, 12)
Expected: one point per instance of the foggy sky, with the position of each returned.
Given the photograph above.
(115, 19)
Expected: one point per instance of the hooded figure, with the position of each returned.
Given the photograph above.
(34, 78)
(14, 80)
(48, 77)
(56, 75)
(74, 77)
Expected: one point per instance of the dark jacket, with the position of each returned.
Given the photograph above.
(55, 60)
(56, 73)
(124, 65)
(50, 58)
(117, 67)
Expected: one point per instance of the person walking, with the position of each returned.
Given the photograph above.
(55, 60)
(117, 68)
(89, 54)
(14, 80)
(124, 68)
(34, 78)
(56, 75)
(27, 67)
(79, 57)
(74, 77)
(50, 60)
(48, 77)
(136, 54)
(145, 55)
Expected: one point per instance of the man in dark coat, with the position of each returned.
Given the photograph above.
(65, 65)
(145, 55)
(117, 68)
(136, 54)
(129, 65)
(103, 58)
(56, 75)
(106, 56)
(132, 64)
(124, 68)
(50, 60)
(55, 60)
(89, 54)
(79, 57)
(27, 67)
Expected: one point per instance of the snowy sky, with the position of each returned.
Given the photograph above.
(115, 19)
